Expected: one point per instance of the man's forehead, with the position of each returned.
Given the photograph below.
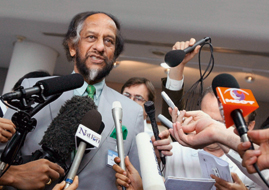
(100, 18)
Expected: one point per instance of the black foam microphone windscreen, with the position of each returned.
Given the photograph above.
(175, 57)
(60, 134)
(224, 80)
(61, 84)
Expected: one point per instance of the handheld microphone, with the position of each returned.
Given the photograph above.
(169, 102)
(150, 110)
(117, 117)
(89, 132)
(165, 121)
(48, 87)
(150, 171)
(235, 103)
(175, 57)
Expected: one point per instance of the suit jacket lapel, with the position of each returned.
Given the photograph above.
(105, 110)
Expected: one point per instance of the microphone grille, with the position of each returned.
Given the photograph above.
(116, 104)
(174, 58)
(149, 107)
(224, 80)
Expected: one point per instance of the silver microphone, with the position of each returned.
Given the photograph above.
(117, 117)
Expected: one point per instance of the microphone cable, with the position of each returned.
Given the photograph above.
(190, 94)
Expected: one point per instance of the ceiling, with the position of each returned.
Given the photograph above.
(241, 26)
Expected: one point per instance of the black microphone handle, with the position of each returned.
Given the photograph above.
(240, 124)
(200, 42)
(154, 126)
(156, 133)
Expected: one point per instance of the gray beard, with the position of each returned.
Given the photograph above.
(93, 74)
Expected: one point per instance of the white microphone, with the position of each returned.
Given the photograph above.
(165, 121)
(150, 172)
(169, 102)
(117, 117)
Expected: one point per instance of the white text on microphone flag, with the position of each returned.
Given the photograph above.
(88, 136)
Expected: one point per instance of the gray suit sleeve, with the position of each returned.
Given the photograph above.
(133, 153)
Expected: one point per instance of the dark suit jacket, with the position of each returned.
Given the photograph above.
(175, 96)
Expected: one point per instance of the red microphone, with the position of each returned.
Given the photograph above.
(235, 98)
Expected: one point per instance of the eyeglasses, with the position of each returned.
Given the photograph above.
(136, 98)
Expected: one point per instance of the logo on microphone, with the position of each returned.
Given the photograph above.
(88, 135)
(234, 98)
(238, 95)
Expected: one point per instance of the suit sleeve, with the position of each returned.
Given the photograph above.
(133, 153)
(176, 97)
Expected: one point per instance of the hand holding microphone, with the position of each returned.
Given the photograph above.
(89, 133)
(131, 180)
(150, 110)
(175, 57)
(117, 117)
(235, 103)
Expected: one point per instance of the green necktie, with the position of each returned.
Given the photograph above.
(91, 91)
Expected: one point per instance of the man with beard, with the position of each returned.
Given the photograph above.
(93, 42)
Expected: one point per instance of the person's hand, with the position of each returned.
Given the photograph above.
(32, 175)
(183, 45)
(201, 131)
(129, 178)
(7, 129)
(179, 118)
(259, 156)
(176, 73)
(61, 185)
(164, 144)
(221, 184)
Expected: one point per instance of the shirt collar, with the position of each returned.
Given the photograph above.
(98, 90)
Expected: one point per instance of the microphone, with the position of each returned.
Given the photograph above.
(89, 132)
(150, 171)
(48, 87)
(169, 102)
(235, 103)
(165, 121)
(175, 57)
(150, 110)
(58, 141)
(117, 117)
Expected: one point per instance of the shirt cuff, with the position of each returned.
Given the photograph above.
(174, 85)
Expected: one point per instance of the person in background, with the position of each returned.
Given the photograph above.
(140, 90)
